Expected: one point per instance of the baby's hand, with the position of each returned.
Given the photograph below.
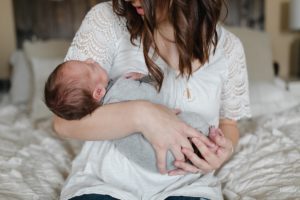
(134, 75)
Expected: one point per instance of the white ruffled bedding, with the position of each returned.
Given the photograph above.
(267, 165)
(34, 163)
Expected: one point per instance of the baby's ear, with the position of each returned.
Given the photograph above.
(99, 93)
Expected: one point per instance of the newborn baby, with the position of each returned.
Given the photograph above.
(76, 88)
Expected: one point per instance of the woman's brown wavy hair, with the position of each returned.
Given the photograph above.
(194, 23)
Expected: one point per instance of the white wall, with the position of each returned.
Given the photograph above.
(7, 36)
(277, 17)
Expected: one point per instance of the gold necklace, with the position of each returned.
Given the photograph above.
(187, 93)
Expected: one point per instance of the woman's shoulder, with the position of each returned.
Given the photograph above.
(102, 14)
(228, 42)
(104, 8)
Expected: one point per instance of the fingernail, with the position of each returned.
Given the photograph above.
(195, 140)
(163, 172)
(220, 132)
(211, 145)
(172, 174)
(183, 149)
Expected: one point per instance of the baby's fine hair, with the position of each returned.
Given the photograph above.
(68, 97)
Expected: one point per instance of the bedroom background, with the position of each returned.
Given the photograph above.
(44, 19)
(34, 38)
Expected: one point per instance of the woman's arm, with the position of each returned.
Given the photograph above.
(230, 130)
(111, 121)
(160, 126)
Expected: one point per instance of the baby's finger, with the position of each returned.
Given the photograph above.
(133, 75)
(176, 111)
(128, 75)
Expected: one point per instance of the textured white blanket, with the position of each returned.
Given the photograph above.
(267, 165)
(34, 163)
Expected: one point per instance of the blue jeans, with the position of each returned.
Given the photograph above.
(106, 197)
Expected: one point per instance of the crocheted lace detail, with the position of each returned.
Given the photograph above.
(98, 39)
(98, 36)
(235, 92)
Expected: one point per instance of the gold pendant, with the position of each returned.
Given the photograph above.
(188, 94)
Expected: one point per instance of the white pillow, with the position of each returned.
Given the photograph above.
(41, 67)
(21, 78)
(46, 49)
(258, 50)
(267, 98)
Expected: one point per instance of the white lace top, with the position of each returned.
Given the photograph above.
(219, 89)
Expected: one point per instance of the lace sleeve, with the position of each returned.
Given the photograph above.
(235, 91)
(97, 36)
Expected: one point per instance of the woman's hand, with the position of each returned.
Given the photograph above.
(163, 129)
(212, 157)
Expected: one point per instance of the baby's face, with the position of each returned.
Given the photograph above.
(88, 71)
(96, 73)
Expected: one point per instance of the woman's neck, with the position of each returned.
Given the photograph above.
(165, 42)
(166, 31)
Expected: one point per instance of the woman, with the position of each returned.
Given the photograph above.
(179, 40)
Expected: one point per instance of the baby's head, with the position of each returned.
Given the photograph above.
(75, 88)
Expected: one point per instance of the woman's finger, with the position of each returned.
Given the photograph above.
(217, 136)
(176, 151)
(186, 166)
(201, 164)
(209, 156)
(223, 142)
(225, 146)
(192, 133)
(161, 160)
(208, 142)
(176, 172)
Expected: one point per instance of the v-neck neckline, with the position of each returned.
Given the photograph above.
(166, 66)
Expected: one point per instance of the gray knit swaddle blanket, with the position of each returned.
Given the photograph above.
(135, 147)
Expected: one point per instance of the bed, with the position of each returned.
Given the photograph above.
(34, 162)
